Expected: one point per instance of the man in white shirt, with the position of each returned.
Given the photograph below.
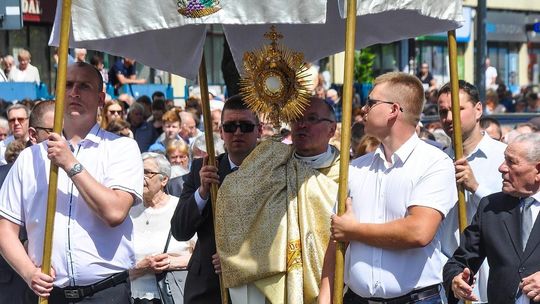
(99, 178)
(24, 72)
(400, 194)
(476, 171)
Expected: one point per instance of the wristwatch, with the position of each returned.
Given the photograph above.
(76, 169)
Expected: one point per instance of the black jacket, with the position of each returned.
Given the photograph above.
(202, 284)
(495, 234)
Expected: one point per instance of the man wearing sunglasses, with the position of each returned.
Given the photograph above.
(240, 131)
(18, 126)
(276, 209)
(399, 195)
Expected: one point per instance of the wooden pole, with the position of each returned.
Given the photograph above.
(350, 36)
(57, 128)
(209, 137)
(456, 124)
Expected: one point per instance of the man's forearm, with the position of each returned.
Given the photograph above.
(13, 250)
(112, 206)
(398, 234)
(327, 276)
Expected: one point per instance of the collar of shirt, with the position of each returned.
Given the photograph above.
(402, 152)
(484, 145)
(322, 160)
(536, 196)
(92, 136)
(233, 165)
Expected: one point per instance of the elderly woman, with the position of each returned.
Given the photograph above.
(151, 225)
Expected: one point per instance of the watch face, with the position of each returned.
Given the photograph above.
(77, 168)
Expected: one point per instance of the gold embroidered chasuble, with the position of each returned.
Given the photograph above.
(273, 223)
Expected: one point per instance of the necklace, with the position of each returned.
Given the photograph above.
(149, 211)
(148, 217)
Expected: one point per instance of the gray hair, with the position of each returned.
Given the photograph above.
(200, 143)
(163, 164)
(18, 106)
(4, 123)
(533, 149)
(137, 106)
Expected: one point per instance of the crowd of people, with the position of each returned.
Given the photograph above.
(134, 199)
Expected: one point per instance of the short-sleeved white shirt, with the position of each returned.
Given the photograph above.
(420, 175)
(85, 249)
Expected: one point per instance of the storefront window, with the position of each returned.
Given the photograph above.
(534, 66)
(213, 50)
(435, 54)
(387, 58)
(504, 57)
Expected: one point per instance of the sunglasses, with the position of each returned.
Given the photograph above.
(47, 130)
(231, 127)
(370, 103)
(115, 112)
(19, 119)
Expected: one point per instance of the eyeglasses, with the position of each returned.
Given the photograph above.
(370, 103)
(231, 127)
(18, 119)
(119, 112)
(150, 174)
(311, 120)
(48, 130)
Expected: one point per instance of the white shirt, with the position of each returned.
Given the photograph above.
(484, 160)
(419, 175)
(151, 228)
(491, 72)
(85, 249)
(30, 74)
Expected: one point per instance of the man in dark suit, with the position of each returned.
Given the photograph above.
(240, 130)
(505, 232)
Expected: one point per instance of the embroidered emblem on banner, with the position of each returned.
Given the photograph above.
(197, 8)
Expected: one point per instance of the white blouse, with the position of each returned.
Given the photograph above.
(151, 228)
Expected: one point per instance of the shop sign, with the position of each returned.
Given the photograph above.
(32, 10)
